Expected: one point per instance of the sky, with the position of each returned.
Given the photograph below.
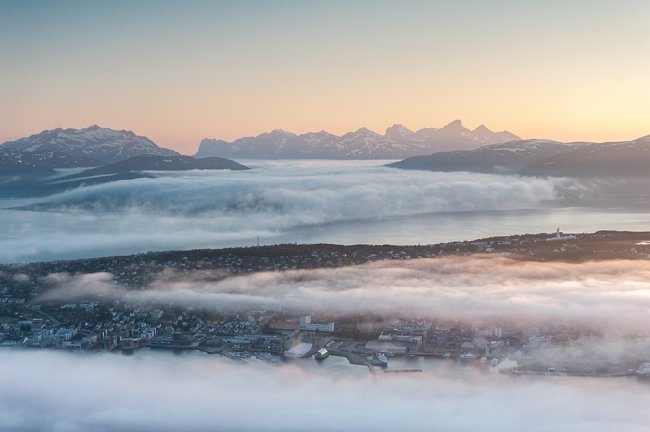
(178, 72)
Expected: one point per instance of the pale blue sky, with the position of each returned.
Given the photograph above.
(181, 71)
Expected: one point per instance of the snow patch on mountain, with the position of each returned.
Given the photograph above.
(396, 143)
(91, 146)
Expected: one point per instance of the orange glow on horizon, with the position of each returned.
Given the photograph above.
(559, 70)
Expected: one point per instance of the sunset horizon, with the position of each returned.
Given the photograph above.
(191, 147)
(552, 70)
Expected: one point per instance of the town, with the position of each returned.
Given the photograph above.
(275, 335)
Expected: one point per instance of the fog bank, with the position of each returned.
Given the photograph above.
(343, 202)
(163, 392)
(609, 295)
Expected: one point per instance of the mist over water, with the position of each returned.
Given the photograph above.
(337, 202)
(166, 392)
(297, 201)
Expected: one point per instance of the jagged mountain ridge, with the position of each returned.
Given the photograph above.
(91, 146)
(398, 142)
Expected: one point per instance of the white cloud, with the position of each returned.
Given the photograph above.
(611, 295)
(204, 209)
(301, 201)
(163, 392)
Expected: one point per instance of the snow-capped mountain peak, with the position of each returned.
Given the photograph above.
(400, 133)
(482, 129)
(454, 125)
(397, 142)
(363, 131)
(89, 146)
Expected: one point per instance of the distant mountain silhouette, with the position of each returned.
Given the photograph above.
(397, 142)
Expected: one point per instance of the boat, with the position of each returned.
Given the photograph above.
(321, 354)
(468, 356)
(383, 358)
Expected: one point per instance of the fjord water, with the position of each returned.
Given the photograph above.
(346, 202)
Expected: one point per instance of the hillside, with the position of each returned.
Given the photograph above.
(543, 158)
(160, 163)
(508, 158)
(618, 159)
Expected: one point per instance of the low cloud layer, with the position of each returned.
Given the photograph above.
(306, 202)
(163, 392)
(278, 203)
(316, 195)
(612, 295)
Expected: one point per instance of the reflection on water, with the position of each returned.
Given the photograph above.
(43, 236)
(445, 227)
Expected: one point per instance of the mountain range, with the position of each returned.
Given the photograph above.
(122, 153)
(543, 158)
(397, 142)
(28, 166)
(112, 151)
(88, 147)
